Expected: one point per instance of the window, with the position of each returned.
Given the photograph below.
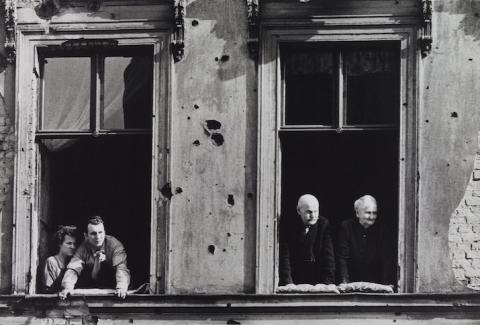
(92, 129)
(337, 119)
(339, 131)
(94, 136)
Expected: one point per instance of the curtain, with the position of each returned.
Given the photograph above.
(67, 85)
(368, 62)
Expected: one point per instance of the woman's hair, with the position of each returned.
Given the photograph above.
(63, 231)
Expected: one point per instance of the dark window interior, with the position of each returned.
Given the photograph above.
(371, 85)
(109, 177)
(309, 87)
(338, 168)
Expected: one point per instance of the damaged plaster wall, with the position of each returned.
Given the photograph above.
(464, 232)
(213, 153)
(448, 126)
(7, 147)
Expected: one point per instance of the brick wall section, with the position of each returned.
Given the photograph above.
(464, 233)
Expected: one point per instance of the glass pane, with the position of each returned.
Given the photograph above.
(66, 97)
(128, 93)
(371, 86)
(309, 87)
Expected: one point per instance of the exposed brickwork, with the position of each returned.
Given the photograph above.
(464, 233)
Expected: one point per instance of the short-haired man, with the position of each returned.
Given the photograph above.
(362, 253)
(306, 250)
(99, 262)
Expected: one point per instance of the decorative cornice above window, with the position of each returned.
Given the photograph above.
(8, 8)
(253, 15)
(426, 27)
(178, 45)
(46, 9)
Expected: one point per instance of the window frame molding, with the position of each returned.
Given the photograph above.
(337, 29)
(27, 158)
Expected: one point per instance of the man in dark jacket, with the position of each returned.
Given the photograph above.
(362, 251)
(306, 250)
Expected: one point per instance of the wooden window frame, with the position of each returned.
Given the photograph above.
(349, 30)
(340, 110)
(27, 162)
(97, 91)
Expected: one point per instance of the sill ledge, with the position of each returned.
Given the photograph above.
(354, 303)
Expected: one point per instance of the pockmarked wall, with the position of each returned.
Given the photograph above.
(7, 146)
(213, 154)
(449, 121)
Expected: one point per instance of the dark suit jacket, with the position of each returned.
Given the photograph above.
(363, 254)
(306, 258)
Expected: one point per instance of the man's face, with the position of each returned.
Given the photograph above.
(367, 214)
(95, 234)
(67, 248)
(308, 212)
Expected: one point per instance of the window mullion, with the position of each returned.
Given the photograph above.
(98, 89)
(93, 93)
(341, 92)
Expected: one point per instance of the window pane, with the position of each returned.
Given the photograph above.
(66, 97)
(128, 92)
(371, 86)
(309, 87)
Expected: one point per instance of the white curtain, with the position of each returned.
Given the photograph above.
(67, 83)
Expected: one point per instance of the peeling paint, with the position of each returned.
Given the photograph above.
(464, 232)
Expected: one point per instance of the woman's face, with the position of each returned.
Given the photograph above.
(67, 248)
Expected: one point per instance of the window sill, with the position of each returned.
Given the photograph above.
(347, 303)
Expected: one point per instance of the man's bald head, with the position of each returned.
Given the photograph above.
(307, 209)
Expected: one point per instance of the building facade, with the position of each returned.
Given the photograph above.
(193, 126)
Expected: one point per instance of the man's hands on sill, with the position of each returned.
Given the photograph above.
(331, 288)
(121, 293)
(65, 293)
